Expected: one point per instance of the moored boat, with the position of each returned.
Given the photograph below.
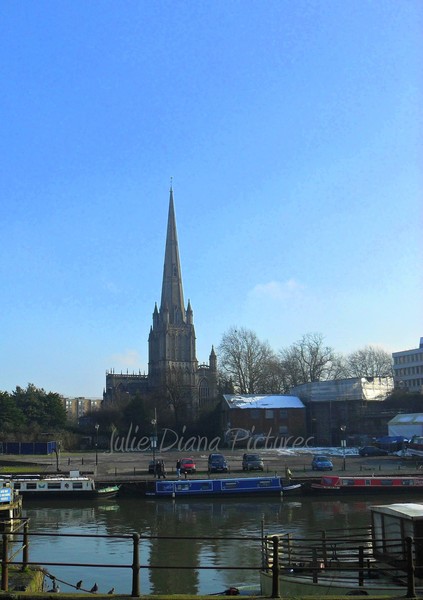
(367, 483)
(10, 508)
(244, 486)
(69, 486)
(292, 489)
(385, 559)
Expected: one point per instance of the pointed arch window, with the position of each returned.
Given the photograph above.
(203, 389)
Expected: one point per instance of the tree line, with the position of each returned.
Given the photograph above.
(31, 410)
(248, 365)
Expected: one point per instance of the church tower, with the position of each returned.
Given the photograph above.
(172, 353)
(173, 370)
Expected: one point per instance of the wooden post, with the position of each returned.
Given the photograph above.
(411, 584)
(324, 549)
(136, 566)
(5, 564)
(25, 552)
(360, 566)
(314, 565)
(275, 568)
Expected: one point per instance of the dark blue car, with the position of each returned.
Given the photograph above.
(217, 464)
(321, 463)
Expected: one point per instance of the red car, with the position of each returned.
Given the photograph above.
(187, 465)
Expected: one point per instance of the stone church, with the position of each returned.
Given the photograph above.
(173, 370)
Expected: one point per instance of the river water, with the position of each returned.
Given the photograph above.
(200, 518)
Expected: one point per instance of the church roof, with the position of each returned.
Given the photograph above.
(262, 401)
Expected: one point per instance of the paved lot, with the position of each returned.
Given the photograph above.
(136, 463)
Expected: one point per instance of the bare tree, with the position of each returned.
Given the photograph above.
(370, 361)
(275, 379)
(245, 360)
(179, 397)
(308, 360)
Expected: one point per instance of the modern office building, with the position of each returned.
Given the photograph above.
(408, 369)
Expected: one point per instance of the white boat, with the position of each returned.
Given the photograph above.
(376, 561)
(69, 486)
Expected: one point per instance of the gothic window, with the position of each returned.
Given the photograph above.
(203, 390)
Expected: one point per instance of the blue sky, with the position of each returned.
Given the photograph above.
(292, 131)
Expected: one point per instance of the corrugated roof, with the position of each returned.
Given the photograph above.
(262, 401)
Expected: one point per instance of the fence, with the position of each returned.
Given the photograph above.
(284, 558)
(346, 562)
(135, 567)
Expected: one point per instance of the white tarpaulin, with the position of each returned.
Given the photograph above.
(406, 425)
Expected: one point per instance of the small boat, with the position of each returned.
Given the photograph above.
(292, 489)
(367, 483)
(244, 486)
(377, 561)
(10, 508)
(69, 486)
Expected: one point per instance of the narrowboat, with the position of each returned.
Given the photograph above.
(69, 486)
(385, 559)
(244, 486)
(330, 484)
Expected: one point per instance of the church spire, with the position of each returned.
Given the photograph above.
(172, 292)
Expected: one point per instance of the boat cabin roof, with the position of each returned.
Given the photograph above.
(409, 510)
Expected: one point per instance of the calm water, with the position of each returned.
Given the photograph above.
(164, 517)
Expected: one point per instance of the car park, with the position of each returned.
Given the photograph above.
(372, 451)
(217, 464)
(321, 463)
(252, 462)
(187, 466)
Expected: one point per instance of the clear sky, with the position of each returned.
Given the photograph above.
(293, 133)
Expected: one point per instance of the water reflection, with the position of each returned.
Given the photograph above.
(163, 518)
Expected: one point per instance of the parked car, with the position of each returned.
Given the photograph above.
(217, 464)
(372, 451)
(187, 465)
(252, 462)
(321, 463)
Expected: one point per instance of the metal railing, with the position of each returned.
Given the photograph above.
(135, 566)
(348, 562)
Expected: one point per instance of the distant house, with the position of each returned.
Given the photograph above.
(272, 416)
(77, 408)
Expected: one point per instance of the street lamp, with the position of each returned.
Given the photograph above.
(343, 444)
(96, 427)
(153, 438)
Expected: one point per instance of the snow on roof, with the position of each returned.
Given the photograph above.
(262, 401)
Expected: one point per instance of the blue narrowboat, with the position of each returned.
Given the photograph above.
(244, 486)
